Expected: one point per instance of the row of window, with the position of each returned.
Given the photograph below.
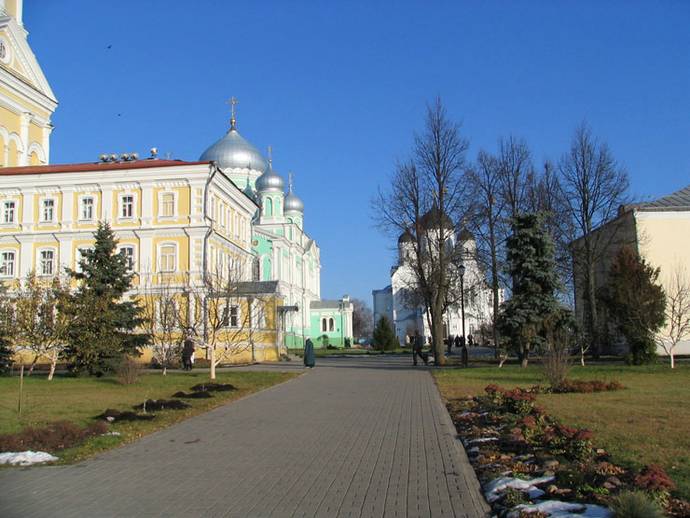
(87, 204)
(228, 219)
(327, 324)
(47, 259)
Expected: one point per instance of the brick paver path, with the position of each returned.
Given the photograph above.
(352, 437)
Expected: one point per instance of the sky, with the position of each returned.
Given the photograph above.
(340, 88)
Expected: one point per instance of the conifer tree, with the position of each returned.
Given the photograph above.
(532, 267)
(103, 326)
(384, 337)
(636, 302)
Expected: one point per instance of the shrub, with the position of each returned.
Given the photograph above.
(654, 478)
(585, 387)
(634, 504)
(513, 497)
(556, 364)
(128, 371)
(51, 437)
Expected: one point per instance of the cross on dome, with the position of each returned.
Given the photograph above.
(232, 102)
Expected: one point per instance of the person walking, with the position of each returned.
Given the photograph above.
(417, 344)
(457, 342)
(187, 352)
(309, 356)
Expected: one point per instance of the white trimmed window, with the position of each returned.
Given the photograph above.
(87, 208)
(167, 205)
(331, 324)
(7, 262)
(9, 212)
(127, 206)
(168, 257)
(48, 210)
(46, 262)
(127, 251)
(234, 316)
(324, 325)
(80, 256)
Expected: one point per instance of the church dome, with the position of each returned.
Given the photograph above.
(406, 237)
(270, 181)
(466, 235)
(234, 151)
(292, 202)
(430, 220)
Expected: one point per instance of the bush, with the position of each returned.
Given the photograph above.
(654, 478)
(384, 337)
(128, 371)
(51, 437)
(585, 387)
(634, 504)
(556, 365)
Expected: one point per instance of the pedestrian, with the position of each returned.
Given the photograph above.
(465, 355)
(449, 343)
(457, 342)
(187, 352)
(417, 344)
(309, 356)
(470, 340)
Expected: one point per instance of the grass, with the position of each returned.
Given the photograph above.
(80, 399)
(646, 423)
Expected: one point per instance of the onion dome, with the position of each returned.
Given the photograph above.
(292, 202)
(431, 219)
(466, 235)
(270, 180)
(406, 237)
(234, 151)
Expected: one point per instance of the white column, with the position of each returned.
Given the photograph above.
(107, 204)
(24, 137)
(146, 204)
(146, 257)
(28, 210)
(67, 206)
(47, 130)
(25, 258)
(64, 253)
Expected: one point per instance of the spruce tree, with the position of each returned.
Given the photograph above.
(636, 303)
(103, 325)
(532, 266)
(384, 337)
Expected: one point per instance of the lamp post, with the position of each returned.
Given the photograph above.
(461, 270)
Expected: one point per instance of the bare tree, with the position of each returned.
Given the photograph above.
(485, 222)
(594, 186)
(161, 308)
(677, 328)
(427, 198)
(39, 327)
(515, 170)
(362, 319)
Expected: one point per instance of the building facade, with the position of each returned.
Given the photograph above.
(659, 231)
(27, 102)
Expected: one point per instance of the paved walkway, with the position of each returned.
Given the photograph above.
(353, 437)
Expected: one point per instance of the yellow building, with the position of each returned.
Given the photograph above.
(660, 232)
(26, 99)
(177, 223)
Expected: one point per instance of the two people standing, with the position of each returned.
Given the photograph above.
(188, 352)
(309, 355)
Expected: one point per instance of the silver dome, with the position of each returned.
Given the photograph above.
(293, 203)
(233, 151)
(270, 181)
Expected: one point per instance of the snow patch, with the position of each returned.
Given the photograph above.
(483, 439)
(558, 509)
(494, 488)
(26, 458)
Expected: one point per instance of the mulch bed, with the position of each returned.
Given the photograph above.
(51, 437)
(162, 404)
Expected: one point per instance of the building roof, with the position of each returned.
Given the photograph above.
(679, 200)
(93, 166)
(325, 304)
(257, 287)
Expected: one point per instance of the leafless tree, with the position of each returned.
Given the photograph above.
(428, 199)
(161, 307)
(515, 170)
(677, 328)
(594, 186)
(362, 319)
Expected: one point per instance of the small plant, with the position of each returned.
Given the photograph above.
(128, 371)
(634, 504)
(654, 478)
(556, 364)
(513, 497)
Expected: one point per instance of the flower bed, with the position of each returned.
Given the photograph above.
(528, 462)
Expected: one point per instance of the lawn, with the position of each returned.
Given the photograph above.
(80, 399)
(645, 423)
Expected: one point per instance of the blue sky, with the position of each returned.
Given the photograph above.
(339, 88)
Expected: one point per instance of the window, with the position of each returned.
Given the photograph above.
(128, 253)
(324, 325)
(167, 209)
(47, 262)
(87, 208)
(331, 324)
(127, 206)
(8, 213)
(168, 258)
(7, 260)
(48, 213)
(234, 316)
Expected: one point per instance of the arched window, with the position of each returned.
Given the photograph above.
(268, 210)
(331, 324)
(324, 325)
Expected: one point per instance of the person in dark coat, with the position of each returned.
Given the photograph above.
(187, 352)
(309, 356)
(417, 344)
(457, 341)
(449, 343)
(465, 355)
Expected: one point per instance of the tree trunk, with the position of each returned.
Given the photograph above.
(33, 364)
(523, 363)
(673, 363)
(53, 364)
(165, 370)
(524, 357)
(592, 308)
(437, 334)
(213, 363)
